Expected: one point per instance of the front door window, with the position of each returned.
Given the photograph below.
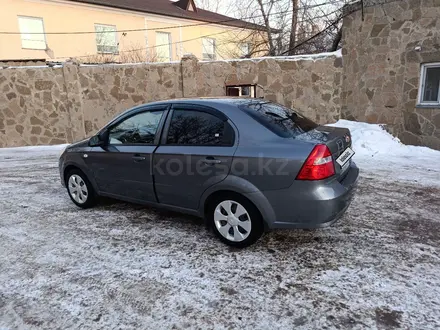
(138, 129)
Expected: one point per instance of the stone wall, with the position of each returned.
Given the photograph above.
(64, 104)
(382, 66)
(106, 91)
(311, 85)
(35, 108)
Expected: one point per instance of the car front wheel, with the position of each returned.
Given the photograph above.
(80, 189)
(236, 221)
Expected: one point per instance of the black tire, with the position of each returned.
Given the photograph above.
(91, 197)
(254, 216)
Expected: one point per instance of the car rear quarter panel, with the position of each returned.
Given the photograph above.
(245, 188)
(264, 159)
(270, 165)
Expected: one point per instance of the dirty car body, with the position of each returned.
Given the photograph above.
(184, 154)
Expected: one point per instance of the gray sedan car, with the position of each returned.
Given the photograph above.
(244, 165)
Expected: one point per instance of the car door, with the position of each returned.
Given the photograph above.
(196, 152)
(122, 168)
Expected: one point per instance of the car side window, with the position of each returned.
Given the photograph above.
(138, 129)
(198, 128)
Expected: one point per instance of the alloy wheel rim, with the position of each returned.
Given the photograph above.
(232, 221)
(78, 189)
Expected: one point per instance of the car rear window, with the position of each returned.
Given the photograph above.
(279, 119)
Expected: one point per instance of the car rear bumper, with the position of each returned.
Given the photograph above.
(313, 204)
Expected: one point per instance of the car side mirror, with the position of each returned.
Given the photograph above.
(99, 140)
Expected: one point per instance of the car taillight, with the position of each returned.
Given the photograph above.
(319, 165)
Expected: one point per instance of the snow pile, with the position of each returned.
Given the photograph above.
(372, 140)
(379, 152)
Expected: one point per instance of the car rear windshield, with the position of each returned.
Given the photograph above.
(282, 121)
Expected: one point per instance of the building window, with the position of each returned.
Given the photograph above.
(163, 46)
(32, 33)
(209, 49)
(429, 93)
(242, 90)
(106, 39)
(245, 48)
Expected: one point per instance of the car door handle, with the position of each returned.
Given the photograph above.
(211, 161)
(139, 158)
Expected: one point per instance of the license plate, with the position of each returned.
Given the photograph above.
(345, 157)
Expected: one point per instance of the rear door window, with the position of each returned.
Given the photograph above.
(279, 119)
(198, 128)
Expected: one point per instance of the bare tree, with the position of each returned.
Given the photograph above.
(321, 28)
(265, 13)
(289, 26)
(292, 39)
(336, 40)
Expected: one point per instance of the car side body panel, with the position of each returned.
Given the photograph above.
(181, 174)
(109, 167)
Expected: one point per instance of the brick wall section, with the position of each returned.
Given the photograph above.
(382, 68)
(41, 106)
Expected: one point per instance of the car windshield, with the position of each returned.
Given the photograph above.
(279, 119)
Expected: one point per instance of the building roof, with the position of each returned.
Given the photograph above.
(181, 9)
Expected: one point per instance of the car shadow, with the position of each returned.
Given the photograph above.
(157, 213)
(272, 242)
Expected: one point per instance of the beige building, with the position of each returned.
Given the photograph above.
(119, 30)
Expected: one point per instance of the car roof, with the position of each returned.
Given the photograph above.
(207, 101)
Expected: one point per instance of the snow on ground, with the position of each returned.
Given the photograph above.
(120, 265)
(380, 154)
(32, 151)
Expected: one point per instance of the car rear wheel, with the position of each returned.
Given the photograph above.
(80, 189)
(236, 221)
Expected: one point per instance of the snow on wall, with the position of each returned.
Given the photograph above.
(304, 57)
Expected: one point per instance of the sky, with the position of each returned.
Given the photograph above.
(222, 7)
